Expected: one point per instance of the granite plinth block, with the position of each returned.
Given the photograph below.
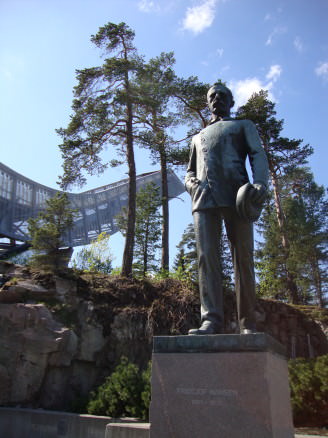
(220, 386)
(215, 343)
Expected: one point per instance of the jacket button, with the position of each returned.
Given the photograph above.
(204, 150)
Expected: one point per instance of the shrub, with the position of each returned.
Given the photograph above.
(309, 390)
(126, 392)
(146, 392)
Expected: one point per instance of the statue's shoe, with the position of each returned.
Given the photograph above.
(207, 328)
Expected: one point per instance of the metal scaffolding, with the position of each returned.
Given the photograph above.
(22, 198)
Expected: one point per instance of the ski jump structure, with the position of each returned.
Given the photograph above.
(22, 198)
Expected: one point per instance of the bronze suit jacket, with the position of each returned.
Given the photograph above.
(217, 159)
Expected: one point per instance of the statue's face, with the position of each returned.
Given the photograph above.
(219, 101)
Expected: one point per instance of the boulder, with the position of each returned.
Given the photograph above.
(25, 290)
(31, 341)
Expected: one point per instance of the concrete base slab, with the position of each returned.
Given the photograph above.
(126, 430)
(224, 386)
(39, 423)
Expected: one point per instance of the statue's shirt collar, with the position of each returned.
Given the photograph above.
(220, 119)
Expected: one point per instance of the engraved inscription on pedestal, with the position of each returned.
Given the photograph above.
(209, 397)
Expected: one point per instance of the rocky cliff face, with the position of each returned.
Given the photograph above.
(60, 336)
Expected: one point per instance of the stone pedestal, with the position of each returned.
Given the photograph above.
(219, 386)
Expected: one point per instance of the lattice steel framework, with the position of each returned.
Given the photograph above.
(22, 198)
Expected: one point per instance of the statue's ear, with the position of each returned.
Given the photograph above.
(212, 119)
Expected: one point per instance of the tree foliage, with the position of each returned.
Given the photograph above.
(305, 205)
(96, 256)
(103, 111)
(186, 261)
(190, 103)
(123, 101)
(48, 228)
(186, 258)
(154, 82)
(284, 156)
(168, 103)
(148, 229)
(309, 390)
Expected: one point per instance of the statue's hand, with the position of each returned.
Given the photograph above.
(192, 184)
(194, 180)
(258, 193)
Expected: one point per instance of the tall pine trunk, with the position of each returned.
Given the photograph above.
(130, 232)
(131, 220)
(165, 211)
(145, 254)
(165, 195)
(317, 280)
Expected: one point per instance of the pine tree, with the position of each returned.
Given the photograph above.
(103, 111)
(284, 156)
(148, 229)
(186, 258)
(48, 229)
(168, 102)
(305, 205)
(226, 261)
(154, 82)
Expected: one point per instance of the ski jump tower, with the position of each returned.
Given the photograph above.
(22, 198)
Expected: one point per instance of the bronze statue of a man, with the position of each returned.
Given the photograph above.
(215, 174)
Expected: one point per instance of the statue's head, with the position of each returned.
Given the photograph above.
(220, 100)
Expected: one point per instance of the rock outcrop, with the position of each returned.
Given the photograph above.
(61, 335)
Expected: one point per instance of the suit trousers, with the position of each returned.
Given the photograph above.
(207, 224)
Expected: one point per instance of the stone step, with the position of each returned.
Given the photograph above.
(141, 430)
(127, 430)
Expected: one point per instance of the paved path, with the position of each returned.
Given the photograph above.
(310, 436)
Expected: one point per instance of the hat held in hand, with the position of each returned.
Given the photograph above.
(248, 208)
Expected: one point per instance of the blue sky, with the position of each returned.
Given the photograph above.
(281, 46)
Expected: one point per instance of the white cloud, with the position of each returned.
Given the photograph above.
(199, 17)
(225, 68)
(148, 6)
(156, 6)
(243, 89)
(11, 66)
(267, 17)
(298, 44)
(274, 72)
(214, 55)
(279, 30)
(322, 70)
